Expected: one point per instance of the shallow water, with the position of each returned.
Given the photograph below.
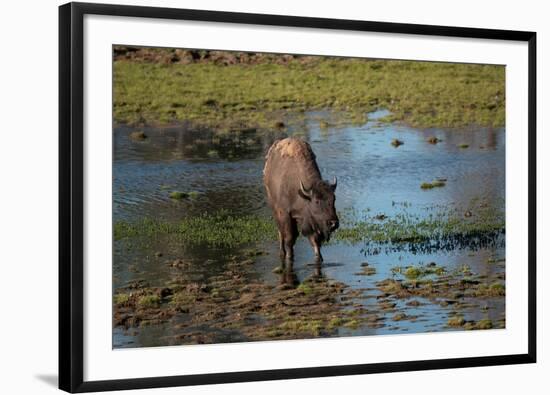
(373, 176)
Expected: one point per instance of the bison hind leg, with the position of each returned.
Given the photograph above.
(288, 233)
(281, 246)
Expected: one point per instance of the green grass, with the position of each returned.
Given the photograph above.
(422, 94)
(417, 272)
(225, 229)
(121, 298)
(305, 288)
(149, 301)
(216, 229)
(405, 227)
(176, 195)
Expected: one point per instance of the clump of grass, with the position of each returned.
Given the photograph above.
(305, 288)
(138, 135)
(456, 321)
(177, 195)
(433, 140)
(352, 324)
(484, 324)
(497, 288)
(366, 270)
(463, 146)
(396, 142)
(413, 272)
(433, 184)
(492, 290)
(399, 317)
(121, 298)
(336, 322)
(193, 194)
(416, 272)
(149, 301)
(391, 286)
(297, 326)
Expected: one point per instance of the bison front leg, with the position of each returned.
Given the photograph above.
(316, 245)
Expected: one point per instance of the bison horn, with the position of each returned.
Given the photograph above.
(306, 192)
(334, 183)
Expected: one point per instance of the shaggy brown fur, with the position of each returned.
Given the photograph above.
(301, 201)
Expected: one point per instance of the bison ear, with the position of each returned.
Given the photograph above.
(305, 193)
(334, 183)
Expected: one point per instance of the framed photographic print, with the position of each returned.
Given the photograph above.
(251, 197)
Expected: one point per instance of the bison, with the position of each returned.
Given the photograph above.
(301, 201)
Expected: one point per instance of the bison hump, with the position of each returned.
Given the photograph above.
(292, 148)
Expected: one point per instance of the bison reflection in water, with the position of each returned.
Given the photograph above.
(301, 201)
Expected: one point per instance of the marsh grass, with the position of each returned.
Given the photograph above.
(221, 228)
(422, 94)
(176, 195)
(225, 229)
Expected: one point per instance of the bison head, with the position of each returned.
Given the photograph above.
(319, 217)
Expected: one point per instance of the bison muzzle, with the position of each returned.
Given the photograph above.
(301, 201)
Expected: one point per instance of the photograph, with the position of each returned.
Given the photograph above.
(266, 196)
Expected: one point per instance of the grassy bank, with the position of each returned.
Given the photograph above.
(223, 229)
(267, 95)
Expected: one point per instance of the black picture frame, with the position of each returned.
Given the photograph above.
(71, 222)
